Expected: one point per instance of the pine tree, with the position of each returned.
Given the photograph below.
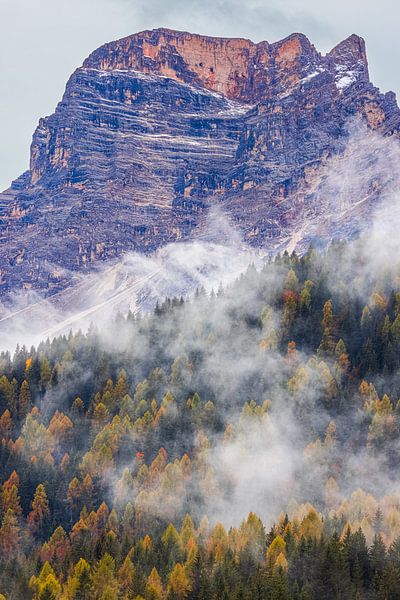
(24, 400)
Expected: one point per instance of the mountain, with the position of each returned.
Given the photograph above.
(157, 128)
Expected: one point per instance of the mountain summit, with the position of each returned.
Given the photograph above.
(235, 68)
(156, 128)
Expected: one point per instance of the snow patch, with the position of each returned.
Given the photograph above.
(345, 81)
(346, 77)
(318, 71)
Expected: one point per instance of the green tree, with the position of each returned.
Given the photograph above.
(24, 400)
(103, 578)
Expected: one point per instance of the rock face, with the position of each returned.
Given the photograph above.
(158, 127)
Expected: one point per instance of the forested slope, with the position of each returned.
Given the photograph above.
(238, 444)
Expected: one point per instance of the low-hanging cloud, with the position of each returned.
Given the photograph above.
(136, 282)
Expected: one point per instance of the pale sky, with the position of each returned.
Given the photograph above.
(43, 41)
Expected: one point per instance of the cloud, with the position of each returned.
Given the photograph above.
(217, 255)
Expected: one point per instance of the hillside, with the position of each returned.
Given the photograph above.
(242, 444)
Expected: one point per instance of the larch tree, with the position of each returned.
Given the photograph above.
(40, 509)
(103, 578)
(154, 587)
(179, 584)
(10, 535)
(79, 586)
(9, 498)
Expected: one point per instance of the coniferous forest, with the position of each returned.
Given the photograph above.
(242, 443)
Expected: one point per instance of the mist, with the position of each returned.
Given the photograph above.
(275, 437)
(293, 447)
(216, 256)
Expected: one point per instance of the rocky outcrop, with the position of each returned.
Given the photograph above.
(235, 68)
(157, 127)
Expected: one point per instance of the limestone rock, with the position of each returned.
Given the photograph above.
(157, 127)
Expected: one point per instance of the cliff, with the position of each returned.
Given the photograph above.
(156, 128)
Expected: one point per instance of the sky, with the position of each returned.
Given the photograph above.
(43, 41)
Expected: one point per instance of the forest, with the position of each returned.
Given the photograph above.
(239, 444)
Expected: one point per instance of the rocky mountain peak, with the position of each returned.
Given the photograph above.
(157, 128)
(214, 63)
(351, 56)
(234, 67)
